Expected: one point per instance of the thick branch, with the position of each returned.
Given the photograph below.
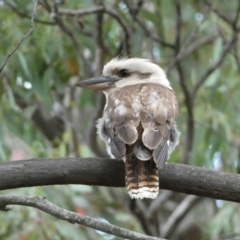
(50, 208)
(110, 173)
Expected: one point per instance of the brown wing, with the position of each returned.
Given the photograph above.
(158, 119)
(155, 106)
(115, 147)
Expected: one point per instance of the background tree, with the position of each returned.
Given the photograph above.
(196, 42)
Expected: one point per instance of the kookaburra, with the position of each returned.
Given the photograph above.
(138, 123)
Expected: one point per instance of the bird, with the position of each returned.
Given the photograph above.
(139, 120)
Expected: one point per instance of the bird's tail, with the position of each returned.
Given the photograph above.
(142, 179)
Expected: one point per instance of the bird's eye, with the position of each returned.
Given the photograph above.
(123, 73)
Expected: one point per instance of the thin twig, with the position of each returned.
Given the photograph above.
(185, 52)
(92, 139)
(99, 56)
(187, 47)
(235, 105)
(154, 38)
(35, 8)
(141, 216)
(134, 9)
(235, 20)
(231, 22)
(98, 37)
(180, 212)
(190, 123)
(25, 15)
(236, 57)
(157, 203)
(101, 9)
(145, 29)
(81, 12)
(52, 209)
(187, 96)
(211, 69)
(72, 37)
(79, 27)
(220, 15)
(124, 25)
(178, 24)
(51, 127)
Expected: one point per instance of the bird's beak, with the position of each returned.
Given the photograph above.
(98, 83)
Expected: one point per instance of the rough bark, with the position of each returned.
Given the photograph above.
(110, 173)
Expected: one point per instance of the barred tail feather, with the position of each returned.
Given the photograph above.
(142, 179)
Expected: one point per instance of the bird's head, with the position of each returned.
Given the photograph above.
(123, 72)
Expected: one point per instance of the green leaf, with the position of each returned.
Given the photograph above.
(24, 65)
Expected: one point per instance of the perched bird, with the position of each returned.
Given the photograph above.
(138, 123)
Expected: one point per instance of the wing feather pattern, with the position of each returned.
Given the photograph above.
(152, 105)
(161, 109)
(121, 122)
(139, 123)
(118, 149)
(160, 154)
(128, 134)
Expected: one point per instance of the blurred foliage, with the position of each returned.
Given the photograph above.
(39, 75)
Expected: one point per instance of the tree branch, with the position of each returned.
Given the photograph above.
(52, 127)
(58, 20)
(50, 208)
(236, 57)
(157, 203)
(111, 173)
(182, 209)
(216, 11)
(189, 46)
(187, 96)
(149, 34)
(228, 46)
(126, 31)
(81, 12)
(35, 8)
(25, 15)
(99, 58)
(137, 210)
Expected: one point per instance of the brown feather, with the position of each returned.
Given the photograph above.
(141, 117)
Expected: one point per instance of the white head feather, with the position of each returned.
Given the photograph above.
(154, 73)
